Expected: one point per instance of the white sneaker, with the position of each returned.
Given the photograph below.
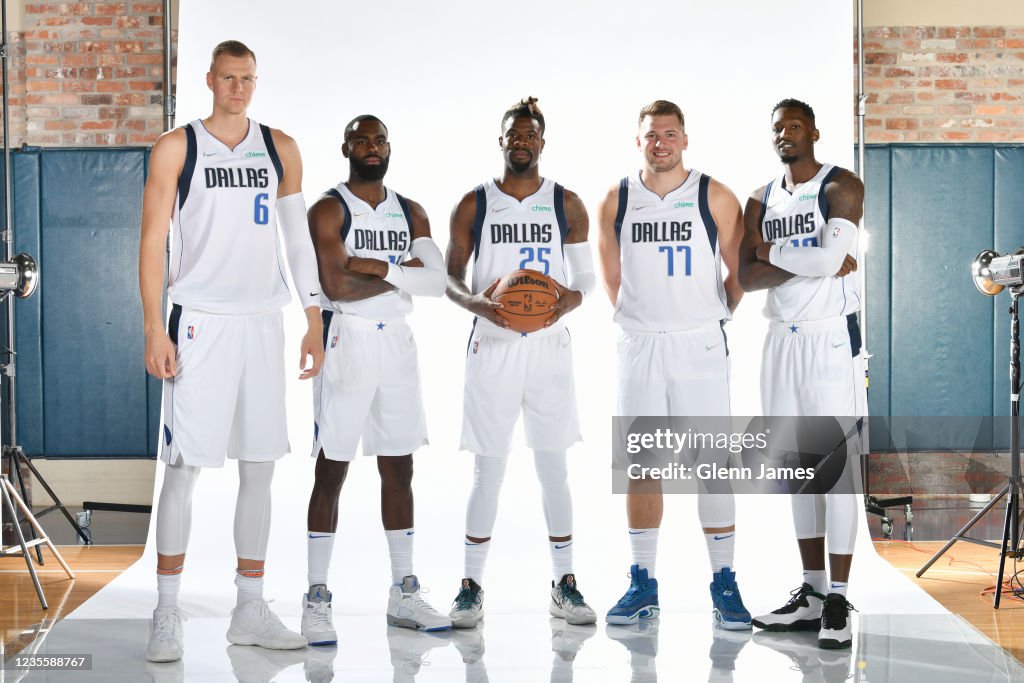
(254, 624)
(166, 637)
(317, 625)
(801, 613)
(567, 603)
(836, 625)
(408, 609)
(468, 608)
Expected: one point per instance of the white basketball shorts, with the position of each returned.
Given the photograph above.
(813, 368)
(369, 389)
(674, 373)
(506, 375)
(228, 396)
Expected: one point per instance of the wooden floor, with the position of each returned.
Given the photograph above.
(94, 567)
(962, 580)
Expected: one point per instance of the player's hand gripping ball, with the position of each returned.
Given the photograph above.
(526, 297)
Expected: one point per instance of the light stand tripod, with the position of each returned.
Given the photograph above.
(1014, 487)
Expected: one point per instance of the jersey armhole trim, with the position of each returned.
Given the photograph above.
(346, 223)
(620, 212)
(407, 211)
(823, 206)
(187, 171)
(563, 224)
(705, 213)
(478, 218)
(764, 208)
(268, 140)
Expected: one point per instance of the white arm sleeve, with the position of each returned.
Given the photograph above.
(580, 268)
(839, 238)
(298, 247)
(430, 280)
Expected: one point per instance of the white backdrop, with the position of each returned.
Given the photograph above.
(440, 75)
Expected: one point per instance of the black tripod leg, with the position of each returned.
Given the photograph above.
(1011, 516)
(56, 500)
(958, 535)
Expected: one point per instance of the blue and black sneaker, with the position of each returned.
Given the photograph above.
(639, 602)
(730, 613)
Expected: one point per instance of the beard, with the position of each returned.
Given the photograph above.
(519, 167)
(788, 158)
(371, 172)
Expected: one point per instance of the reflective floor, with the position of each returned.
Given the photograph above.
(526, 647)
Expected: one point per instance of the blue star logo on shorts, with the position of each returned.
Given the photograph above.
(380, 326)
(793, 328)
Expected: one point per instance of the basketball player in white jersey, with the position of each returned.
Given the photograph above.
(665, 233)
(521, 220)
(800, 241)
(229, 185)
(374, 251)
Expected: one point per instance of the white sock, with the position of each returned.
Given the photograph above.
(721, 548)
(818, 580)
(249, 588)
(644, 543)
(400, 548)
(167, 588)
(476, 558)
(319, 546)
(561, 558)
(838, 587)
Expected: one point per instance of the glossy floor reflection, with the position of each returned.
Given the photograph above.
(526, 647)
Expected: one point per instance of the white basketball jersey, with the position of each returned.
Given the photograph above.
(383, 233)
(671, 265)
(509, 234)
(796, 217)
(225, 252)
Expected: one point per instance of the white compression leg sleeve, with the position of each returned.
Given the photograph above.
(488, 473)
(174, 511)
(808, 515)
(252, 509)
(842, 511)
(554, 484)
(716, 510)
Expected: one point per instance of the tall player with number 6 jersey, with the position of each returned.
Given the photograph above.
(665, 233)
(800, 237)
(519, 221)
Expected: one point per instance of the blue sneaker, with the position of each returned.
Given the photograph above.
(730, 613)
(639, 602)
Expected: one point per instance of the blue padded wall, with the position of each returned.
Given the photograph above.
(95, 394)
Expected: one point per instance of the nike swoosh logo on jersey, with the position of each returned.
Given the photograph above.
(499, 209)
(357, 215)
(713, 346)
(641, 208)
(836, 346)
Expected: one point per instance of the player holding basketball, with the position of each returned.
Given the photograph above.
(374, 252)
(665, 233)
(519, 221)
(799, 242)
(227, 183)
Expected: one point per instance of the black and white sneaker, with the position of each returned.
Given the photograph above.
(801, 613)
(836, 629)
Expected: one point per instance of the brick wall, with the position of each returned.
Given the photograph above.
(944, 84)
(88, 74)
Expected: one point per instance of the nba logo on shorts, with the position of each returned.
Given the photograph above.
(476, 346)
(191, 332)
(334, 341)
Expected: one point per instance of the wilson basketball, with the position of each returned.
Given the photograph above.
(527, 296)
